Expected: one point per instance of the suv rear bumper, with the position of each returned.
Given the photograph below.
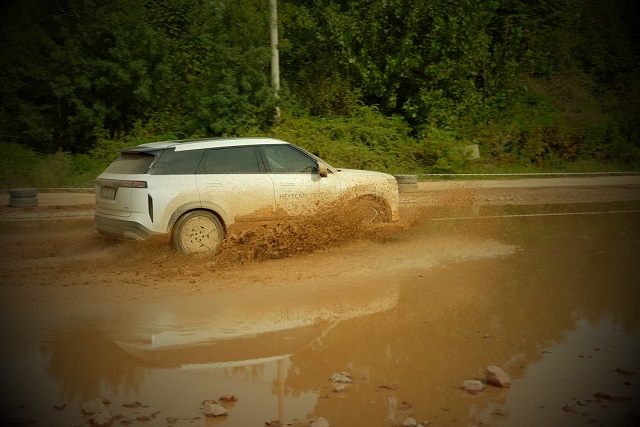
(122, 228)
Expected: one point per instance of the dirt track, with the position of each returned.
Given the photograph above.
(430, 321)
(43, 259)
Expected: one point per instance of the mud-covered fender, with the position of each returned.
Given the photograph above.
(361, 191)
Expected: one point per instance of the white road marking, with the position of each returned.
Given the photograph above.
(531, 215)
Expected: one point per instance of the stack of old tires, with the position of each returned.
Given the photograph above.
(407, 183)
(23, 197)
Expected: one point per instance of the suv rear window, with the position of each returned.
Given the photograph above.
(131, 163)
(173, 162)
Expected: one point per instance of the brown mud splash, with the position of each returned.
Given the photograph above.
(332, 227)
(339, 224)
(48, 250)
(343, 223)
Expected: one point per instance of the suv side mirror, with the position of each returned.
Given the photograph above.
(323, 170)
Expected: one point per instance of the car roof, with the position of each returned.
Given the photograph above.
(196, 144)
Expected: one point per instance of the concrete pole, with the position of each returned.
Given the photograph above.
(275, 58)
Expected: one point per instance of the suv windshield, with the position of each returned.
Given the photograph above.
(131, 163)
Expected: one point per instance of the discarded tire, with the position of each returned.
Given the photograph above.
(407, 183)
(23, 197)
(23, 193)
(24, 202)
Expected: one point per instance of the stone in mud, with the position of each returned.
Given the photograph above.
(497, 377)
(472, 385)
(410, 422)
(341, 377)
(214, 410)
(228, 398)
(320, 422)
(93, 406)
(339, 388)
(101, 419)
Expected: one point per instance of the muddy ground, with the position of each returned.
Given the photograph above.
(416, 291)
(69, 262)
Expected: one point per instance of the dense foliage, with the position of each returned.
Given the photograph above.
(395, 85)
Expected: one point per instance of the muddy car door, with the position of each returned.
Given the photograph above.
(233, 182)
(299, 187)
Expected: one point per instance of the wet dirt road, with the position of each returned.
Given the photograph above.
(547, 291)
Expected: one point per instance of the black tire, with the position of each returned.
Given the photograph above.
(23, 193)
(197, 232)
(23, 202)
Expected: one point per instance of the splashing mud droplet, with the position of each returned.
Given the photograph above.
(332, 227)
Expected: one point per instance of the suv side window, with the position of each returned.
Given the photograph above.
(230, 160)
(173, 162)
(286, 159)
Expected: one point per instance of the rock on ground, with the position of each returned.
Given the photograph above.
(93, 406)
(214, 409)
(320, 422)
(472, 385)
(101, 419)
(341, 377)
(497, 377)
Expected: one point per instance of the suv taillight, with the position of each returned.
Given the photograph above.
(116, 183)
(134, 184)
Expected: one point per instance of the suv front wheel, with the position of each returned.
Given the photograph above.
(197, 232)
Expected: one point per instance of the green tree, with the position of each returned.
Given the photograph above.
(220, 61)
(76, 69)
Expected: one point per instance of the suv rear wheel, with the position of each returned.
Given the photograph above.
(197, 232)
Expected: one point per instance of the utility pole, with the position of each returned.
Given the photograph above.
(275, 58)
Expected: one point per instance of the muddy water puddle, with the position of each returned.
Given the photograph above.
(552, 300)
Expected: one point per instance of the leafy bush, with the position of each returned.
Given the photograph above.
(364, 140)
(17, 165)
(23, 167)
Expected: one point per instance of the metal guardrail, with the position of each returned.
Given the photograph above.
(535, 174)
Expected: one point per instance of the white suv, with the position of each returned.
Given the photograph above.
(195, 192)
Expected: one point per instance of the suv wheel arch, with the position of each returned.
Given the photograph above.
(188, 207)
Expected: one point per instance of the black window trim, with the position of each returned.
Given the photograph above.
(256, 151)
(158, 155)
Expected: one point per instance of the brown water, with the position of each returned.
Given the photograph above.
(552, 300)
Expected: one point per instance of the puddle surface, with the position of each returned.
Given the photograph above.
(552, 300)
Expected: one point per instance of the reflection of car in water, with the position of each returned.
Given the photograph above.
(241, 328)
(195, 191)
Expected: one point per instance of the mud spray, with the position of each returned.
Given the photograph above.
(341, 223)
(333, 226)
